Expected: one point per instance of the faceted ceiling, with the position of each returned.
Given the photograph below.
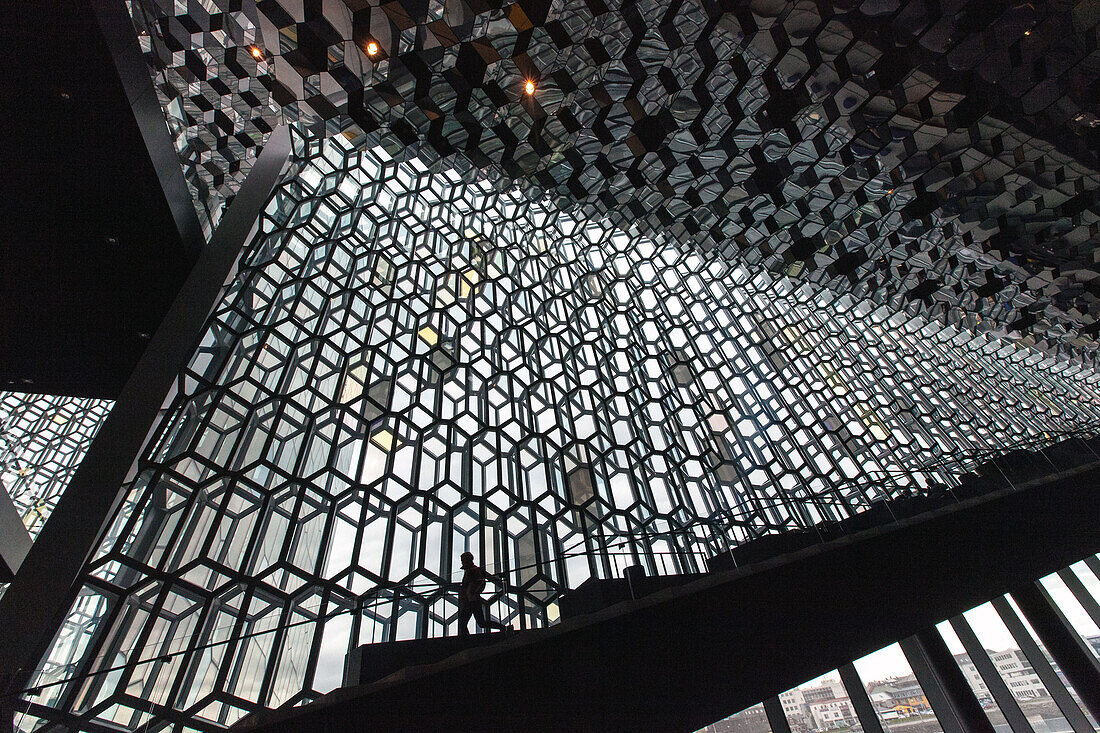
(938, 156)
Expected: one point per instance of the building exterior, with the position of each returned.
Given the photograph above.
(821, 706)
(898, 698)
(832, 713)
(1013, 667)
(1018, 674)
(794, 707)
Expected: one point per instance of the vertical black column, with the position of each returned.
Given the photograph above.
(1063, 642)
(35, 604)
(857, 693)
(992, 678)
(1039, 663)
(944, 683)
(777, 719)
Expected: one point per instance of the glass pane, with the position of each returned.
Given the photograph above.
(822, 704)
(1050, 660)
(1091, 582)
(973, 677)
(749, 720)
(1072, 609)
(1035, 701)
(43, 439)
(1088, 577)
(897, 697)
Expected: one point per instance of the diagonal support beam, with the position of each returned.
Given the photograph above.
(1062, 641)
(954, 703)
(1043, 668)
(34, 606)
(857, 693)
(133, 72)
(990, 676)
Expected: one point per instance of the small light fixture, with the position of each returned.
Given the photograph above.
(1027, 33)
(529, 87)
(372, 49)
(256, 52)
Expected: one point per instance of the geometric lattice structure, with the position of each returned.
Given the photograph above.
(218, 132)
(938, 157)
(411, 363)
(43, 438)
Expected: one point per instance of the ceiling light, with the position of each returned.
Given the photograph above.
(372, 49)
(256, 52)
(529, 87)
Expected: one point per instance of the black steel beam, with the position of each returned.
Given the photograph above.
(857, 693)
(1004, 698)
(1093, 563)
(1081, 593)
(33, 607)
(1039, 663)
(777, 719)
(944, 684)
(664, 662)
(133, 71)
(1062, 641)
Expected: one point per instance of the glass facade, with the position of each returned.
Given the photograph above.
(43, 438)
(930, 155)
(410, 363)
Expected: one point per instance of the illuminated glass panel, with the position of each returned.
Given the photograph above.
(409, 365)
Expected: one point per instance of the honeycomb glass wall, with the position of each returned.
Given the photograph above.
(411, 364)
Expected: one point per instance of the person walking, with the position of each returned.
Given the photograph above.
(470, 602)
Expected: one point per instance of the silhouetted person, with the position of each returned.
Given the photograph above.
(470, 602)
